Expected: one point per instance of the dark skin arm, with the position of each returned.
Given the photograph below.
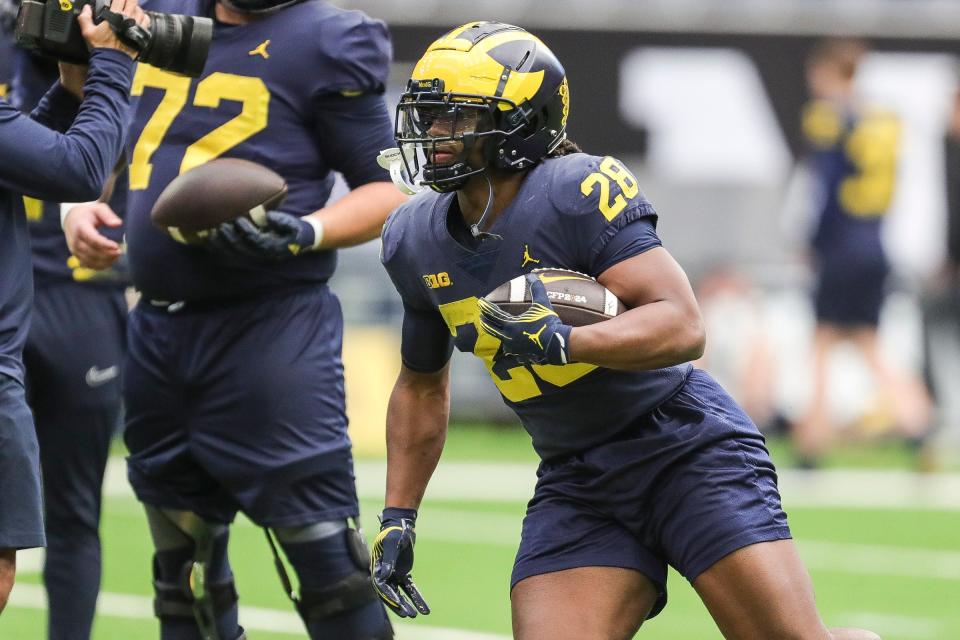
(416, 430)
(663, 326)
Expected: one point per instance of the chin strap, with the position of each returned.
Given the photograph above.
(475, 228)
(392, 160)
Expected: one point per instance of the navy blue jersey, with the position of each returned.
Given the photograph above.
(299, 91)
(577, 212)
(854, 159)
(6, 62)
(52, 262)
(40, 162)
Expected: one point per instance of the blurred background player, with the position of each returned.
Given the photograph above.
(233, 382)
(853, 160)
(73, 356)
(90, 105)
(646, 461)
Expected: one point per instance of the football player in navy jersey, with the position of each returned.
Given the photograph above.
(646, 461)
(72, 356)
(853, 156)
(233, 382)
(90, 108)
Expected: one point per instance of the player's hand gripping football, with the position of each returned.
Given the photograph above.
(282, 236)
(536, 336)
(392, 560)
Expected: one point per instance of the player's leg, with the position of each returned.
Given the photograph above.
(812, 433)
(8, 571)
(195, 594)
(21, 515)
(579, 572)
(911, 402)
(335, 597)
(764, 591)
(74, 444)
(73, 357)
(586, 602)
(718, 517)
(192, 576)
(271, 429)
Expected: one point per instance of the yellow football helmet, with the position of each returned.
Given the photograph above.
(482, 80)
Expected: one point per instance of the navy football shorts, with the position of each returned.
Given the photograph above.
(689, 484)
(21, 507)
(241, 407)
(850, 293)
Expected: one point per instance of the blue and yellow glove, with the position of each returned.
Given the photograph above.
(536, 336)
(392, 560)
(282, 236)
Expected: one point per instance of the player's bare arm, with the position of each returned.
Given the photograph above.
(663, 326)
(357, 217)
(416, 430)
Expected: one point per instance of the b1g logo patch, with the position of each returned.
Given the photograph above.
(437, 280)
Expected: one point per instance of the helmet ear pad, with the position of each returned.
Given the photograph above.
(532, 135)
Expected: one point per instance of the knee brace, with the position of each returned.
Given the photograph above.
(187, 547)
(321, 595)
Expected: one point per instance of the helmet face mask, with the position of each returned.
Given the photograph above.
(488, 82)
(442, 130)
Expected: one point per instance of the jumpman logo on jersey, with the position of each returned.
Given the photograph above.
(527, 258)
(535, 337)
(261, 50)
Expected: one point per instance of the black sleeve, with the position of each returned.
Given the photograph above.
(351, 132)
(426, 343)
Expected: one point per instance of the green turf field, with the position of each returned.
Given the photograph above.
(896, 570)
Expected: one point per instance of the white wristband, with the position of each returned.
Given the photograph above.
(317, 231)
(66, 207)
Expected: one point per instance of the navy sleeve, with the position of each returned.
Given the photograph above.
(426, 343)
(631, 240)
(56, 110)
(599, 199)
(353, 123)
(351, 132)
(355, 53)
(44, 164)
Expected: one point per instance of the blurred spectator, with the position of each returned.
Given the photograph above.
(942, 306)
(739, 353)
(853, 160)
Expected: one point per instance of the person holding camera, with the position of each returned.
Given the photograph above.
(90, 106)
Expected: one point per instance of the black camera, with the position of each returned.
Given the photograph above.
(172, 42)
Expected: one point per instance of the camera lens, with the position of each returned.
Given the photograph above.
(178, 43)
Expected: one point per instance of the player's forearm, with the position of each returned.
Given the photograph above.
(416, 430)
(359, 216)
(655, 335)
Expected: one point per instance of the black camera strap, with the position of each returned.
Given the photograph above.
(127, 29)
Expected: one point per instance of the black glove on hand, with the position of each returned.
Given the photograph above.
(282, 236)
(392, 560)
(536, 336)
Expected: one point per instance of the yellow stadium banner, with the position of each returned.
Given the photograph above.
(371, 360)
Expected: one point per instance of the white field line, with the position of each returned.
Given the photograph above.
(886, 624)
(117, 605)
(28, 596)
(514, 482)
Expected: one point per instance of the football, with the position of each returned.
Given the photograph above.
(224, 189)
(576, 297)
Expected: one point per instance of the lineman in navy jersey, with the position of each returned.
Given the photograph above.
(645, 460)
(233, 382)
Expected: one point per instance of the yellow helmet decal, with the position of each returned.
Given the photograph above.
(468, 68)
